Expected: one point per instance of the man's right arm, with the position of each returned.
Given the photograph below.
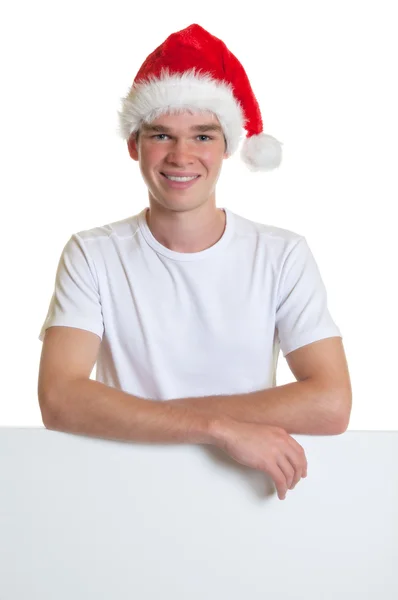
(92, 408)
(72, 402)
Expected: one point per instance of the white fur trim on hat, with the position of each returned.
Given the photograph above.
(167, 93)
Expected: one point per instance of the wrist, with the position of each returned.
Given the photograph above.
(219, 429)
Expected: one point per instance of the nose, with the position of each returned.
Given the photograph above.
(180, 154)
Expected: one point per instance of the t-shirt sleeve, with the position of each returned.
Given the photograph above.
(302, 315)
(76, 300)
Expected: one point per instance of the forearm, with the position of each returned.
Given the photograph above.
(302, 407)
(95, 409)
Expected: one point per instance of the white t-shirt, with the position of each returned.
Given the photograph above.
(178, 325)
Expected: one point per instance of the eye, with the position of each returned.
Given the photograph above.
(157, 136)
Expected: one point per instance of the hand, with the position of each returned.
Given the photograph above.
(266, 448)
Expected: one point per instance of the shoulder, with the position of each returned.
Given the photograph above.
(279, 240)
(120, 229)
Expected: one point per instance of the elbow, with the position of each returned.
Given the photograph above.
(343, 413)
(47, 412)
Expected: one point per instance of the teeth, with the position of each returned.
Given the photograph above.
(180, 178)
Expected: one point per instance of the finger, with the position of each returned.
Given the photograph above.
(301, 457)
(297, 472)
(288, 471)
(296, 479)
(279, 480)
(295, 459)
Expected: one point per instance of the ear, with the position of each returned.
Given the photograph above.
(226, 154)
(132, 147)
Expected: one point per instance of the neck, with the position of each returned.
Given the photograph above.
(186, 231)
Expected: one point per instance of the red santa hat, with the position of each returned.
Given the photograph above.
(194, 70)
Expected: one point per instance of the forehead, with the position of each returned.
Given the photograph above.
(184, 121)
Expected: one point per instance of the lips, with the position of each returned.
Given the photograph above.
(181, 174)
(180, 185)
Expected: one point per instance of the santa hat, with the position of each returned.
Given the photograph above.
(193, 70)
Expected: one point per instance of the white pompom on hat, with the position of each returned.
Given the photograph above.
(194, 70)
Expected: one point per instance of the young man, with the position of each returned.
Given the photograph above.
(184, 307)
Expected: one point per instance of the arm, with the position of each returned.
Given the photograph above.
(70, 401)
(319, 403)
(301, 407)
(92, 408)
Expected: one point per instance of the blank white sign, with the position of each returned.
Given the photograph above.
(84, 518)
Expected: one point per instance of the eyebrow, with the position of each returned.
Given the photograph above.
(204, 127)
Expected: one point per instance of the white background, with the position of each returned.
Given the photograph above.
(324, 74)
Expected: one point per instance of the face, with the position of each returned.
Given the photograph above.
(180, 144)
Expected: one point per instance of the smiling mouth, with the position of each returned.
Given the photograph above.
(190, 177)
(173, 184)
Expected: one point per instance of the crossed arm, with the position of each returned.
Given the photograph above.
(318, 403)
